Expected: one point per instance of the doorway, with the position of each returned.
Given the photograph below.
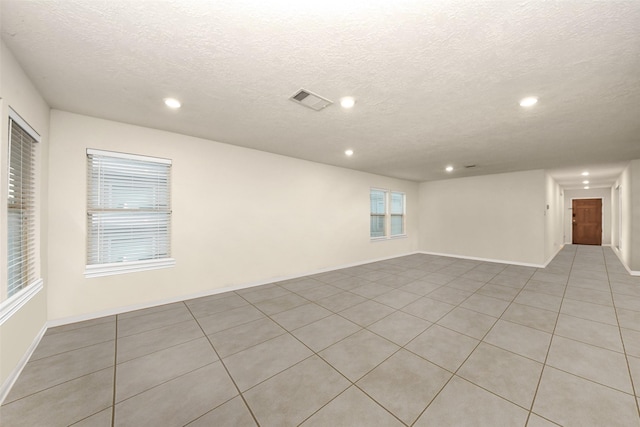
(587, 221)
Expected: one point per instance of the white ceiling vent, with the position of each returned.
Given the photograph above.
(310, 99)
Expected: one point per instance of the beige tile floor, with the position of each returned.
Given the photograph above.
(416, 341)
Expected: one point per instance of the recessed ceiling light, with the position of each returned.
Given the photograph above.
(585, 173)
(172, 103)
(586, 188)
(347, 102)
(349, 152)
(585, 182)
(529, 101)
(449, 168)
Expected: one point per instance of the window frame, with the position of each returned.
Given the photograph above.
(30, 248)
(121, 267)
(388, 215)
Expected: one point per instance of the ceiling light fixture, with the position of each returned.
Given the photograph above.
(529, 101)
(449, 169)
(349, 153)
(585, 182)
(347, 102)
(585, 173)
(172, 103)
(586, 188)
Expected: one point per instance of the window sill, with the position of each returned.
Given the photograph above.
(101, 270)
(384, 239)
(9, 307)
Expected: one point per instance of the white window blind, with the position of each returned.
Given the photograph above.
(21, 221)
(397, 213)
(378, 213)
(128, 209)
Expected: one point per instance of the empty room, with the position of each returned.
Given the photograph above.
(319, 213)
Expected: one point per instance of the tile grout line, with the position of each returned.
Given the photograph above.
(227, 371)
(624, 348)
(115, 371)
(553, 333)
(480, 341)
(314, 353)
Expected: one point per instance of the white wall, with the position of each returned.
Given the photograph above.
(499, 217)
(592, 193)
(239, 216)
(629, 216)
(18, 332)
(553, 218)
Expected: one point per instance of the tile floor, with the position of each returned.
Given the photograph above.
(415, 341)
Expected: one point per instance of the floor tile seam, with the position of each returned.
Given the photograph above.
(6, 402)
(195, 311)
(512, 352)
(586, 318)
(591, 380)
(115, 373)
(544, 365)
(155, 312)
(50, 332)
(369, 324)
(91, 415)
(635, 389)
(331, 400)
(209, 411)
(555, 325)
(356, 385)
(70, 350)
(233, 381)
(154, 329)
(493, 392)
(251, 346)
(157, 351)
(546, 419)
(167, 380)
(541, 292)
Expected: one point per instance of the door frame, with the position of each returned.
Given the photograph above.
(570, 239)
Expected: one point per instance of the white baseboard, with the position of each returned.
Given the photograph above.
(553, 256)
(499, 261)
(206, 293)
(619, 255)
(5, 388)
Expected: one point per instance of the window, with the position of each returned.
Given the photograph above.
(21, 207)
(128, 213)
(397, 214)
(387, 214)
(378, 213)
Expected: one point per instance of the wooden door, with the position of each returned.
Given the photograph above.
(587, 221)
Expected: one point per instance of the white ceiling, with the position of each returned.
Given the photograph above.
(435, 82)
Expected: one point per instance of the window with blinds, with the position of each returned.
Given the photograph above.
(397, 213)
(128, 213)
(388, 211)
(21, 210)
(378, 199)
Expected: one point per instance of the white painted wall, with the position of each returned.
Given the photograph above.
(16, 90)
(239, 216)
(553, 218)
(499, 217)
(629, 244)
(592, 193)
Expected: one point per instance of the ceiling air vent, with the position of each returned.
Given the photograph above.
(310, 99)
(469, 166)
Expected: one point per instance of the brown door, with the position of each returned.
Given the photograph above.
(587, 222)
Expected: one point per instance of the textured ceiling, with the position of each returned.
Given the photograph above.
(435, 82)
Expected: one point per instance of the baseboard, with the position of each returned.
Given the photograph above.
(499, 261)
(619, 255)
(206, 293)
(11, 379)
(553, 256)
